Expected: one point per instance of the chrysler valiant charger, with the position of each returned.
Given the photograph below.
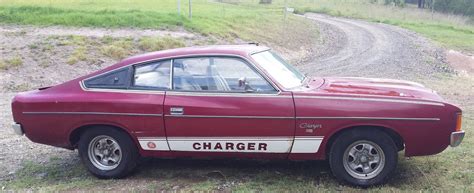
(236, 101)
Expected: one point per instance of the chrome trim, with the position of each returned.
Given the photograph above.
(17, 129)
(375, 118)
(135, 91)
(372, 99)
(171, 74)
(456, 138)
(230, 117)
(276, 117)
(91, 113)
(176, 110)
(228, 94)
(246, 61)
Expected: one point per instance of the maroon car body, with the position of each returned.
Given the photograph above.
(298, 123)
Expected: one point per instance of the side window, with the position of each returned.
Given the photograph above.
(153, 76)
(115, 79)
(217, 74)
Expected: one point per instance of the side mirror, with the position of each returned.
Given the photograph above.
(243, 83)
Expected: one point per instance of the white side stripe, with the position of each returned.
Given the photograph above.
(306, 144)
(300, 144)
(372, 99)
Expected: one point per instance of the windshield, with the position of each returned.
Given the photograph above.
(284, 73)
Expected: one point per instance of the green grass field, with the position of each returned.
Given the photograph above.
(238, 19)
(242, 19)
(225, 20)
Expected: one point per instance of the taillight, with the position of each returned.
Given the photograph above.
(458, 122)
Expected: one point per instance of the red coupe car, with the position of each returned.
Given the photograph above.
(236, 101)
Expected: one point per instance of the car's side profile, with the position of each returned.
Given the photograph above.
(236, 101)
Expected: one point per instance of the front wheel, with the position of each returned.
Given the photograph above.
(107, 152)
(363, 157)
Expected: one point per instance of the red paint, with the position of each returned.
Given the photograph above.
(420, 137)
(151, 145)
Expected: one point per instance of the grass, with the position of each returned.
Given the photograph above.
(118, 49)
(208, 18)
(248, 21)
(14, 62)
(159, 43)
(79, 54)
(236, 19)
(52, 176)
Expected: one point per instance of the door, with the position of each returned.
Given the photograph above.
(222, 106)
(149, 83)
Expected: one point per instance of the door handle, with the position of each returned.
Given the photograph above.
(176, 110)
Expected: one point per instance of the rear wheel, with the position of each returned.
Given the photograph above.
(363, 157)
(107, 152)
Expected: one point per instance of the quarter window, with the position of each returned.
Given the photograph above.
(217, 74)
(113, 80)
(154, 75)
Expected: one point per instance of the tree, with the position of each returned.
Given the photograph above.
(421, 4)
(265, 1)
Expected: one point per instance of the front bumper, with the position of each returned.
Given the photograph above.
(17, 129)
(456, 138)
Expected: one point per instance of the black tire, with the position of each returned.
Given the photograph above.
(128, 152)
(353, 141)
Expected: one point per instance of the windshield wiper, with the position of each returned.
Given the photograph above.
(305, 77)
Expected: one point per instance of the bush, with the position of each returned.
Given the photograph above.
(156, 44)
(118, 49)
(11, 63)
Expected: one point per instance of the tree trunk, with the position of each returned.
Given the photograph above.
(421, 4)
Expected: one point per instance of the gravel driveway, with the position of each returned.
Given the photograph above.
(358, 48)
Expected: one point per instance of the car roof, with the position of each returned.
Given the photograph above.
(242, 50)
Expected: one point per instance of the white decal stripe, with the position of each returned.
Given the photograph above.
(306, 145)
(371, 99)
(255, 146)
(301, 144)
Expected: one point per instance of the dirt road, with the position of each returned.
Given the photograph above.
(358, 48)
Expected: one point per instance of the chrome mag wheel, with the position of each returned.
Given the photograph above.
(364, 160)
(104, 152)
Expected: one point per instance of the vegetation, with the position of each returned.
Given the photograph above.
(243, 19)
(11, 63)
(221, 19)
(460, 7)
(118, 49)
(79, 54)
(230, 20)
(156, 44)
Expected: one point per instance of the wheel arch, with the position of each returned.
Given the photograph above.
(76, 133)
(396, 137)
